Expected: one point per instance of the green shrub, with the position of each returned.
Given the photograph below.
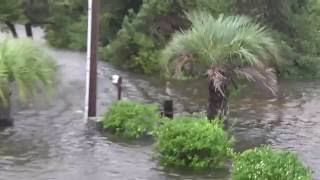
(265, 163)
(193, 143)
(130, 119)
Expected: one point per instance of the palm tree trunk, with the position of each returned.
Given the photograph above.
(12, 29)
(219, 81)
(5, 115)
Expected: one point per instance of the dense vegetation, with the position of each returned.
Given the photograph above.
(130, 119)
(134, 32)
(193, 142)
(265, 163)
(142, 35)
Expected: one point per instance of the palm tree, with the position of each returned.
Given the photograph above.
(25, 66)
(225, 49)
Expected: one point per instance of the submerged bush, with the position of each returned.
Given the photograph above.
(265, 163)
(130, 119)
(193, 142)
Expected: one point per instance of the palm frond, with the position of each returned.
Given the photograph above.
(265, 79)
(26, 65)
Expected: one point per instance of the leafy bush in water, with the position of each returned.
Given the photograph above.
(130, 119)
(193, 142)
(265, 163)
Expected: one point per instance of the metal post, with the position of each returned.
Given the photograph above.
(92, 46)
(168, 109)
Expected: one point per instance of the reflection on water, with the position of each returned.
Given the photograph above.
(53, 142)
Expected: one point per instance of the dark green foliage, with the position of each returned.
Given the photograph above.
(113, 12)
(130, 119)
(296, 24)
(265, 163)
(132, 50)
(12, 11)
(69, 24)
(37, 11)
(193, 142)
(73, 36)
(143, 35)
(77, 33)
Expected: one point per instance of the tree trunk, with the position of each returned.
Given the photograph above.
(5, 115)
(28, 29)
(12, 29)
(219, 81)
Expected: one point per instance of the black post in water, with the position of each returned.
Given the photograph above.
(28, 29)
(168, 109)
(119, 86)
(92, 109)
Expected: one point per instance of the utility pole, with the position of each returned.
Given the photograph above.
(91, 69)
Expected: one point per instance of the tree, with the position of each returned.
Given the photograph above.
(67, 18)
(226, 48)
(25, 66)
(12, 11)
(26, 12)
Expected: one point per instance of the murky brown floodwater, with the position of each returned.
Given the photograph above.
(53, 142)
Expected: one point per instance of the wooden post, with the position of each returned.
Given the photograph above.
(5, 116)
(28, 29)
(168, 108)
(119, 87)
(5, 112)
(93, 38)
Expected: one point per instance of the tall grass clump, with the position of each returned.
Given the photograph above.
(193, 143)
(25, 66)
(130, 119)
(267, 164)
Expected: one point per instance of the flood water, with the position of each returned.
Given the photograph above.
(52, 141)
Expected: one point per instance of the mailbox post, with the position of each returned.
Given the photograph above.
(117, 81)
